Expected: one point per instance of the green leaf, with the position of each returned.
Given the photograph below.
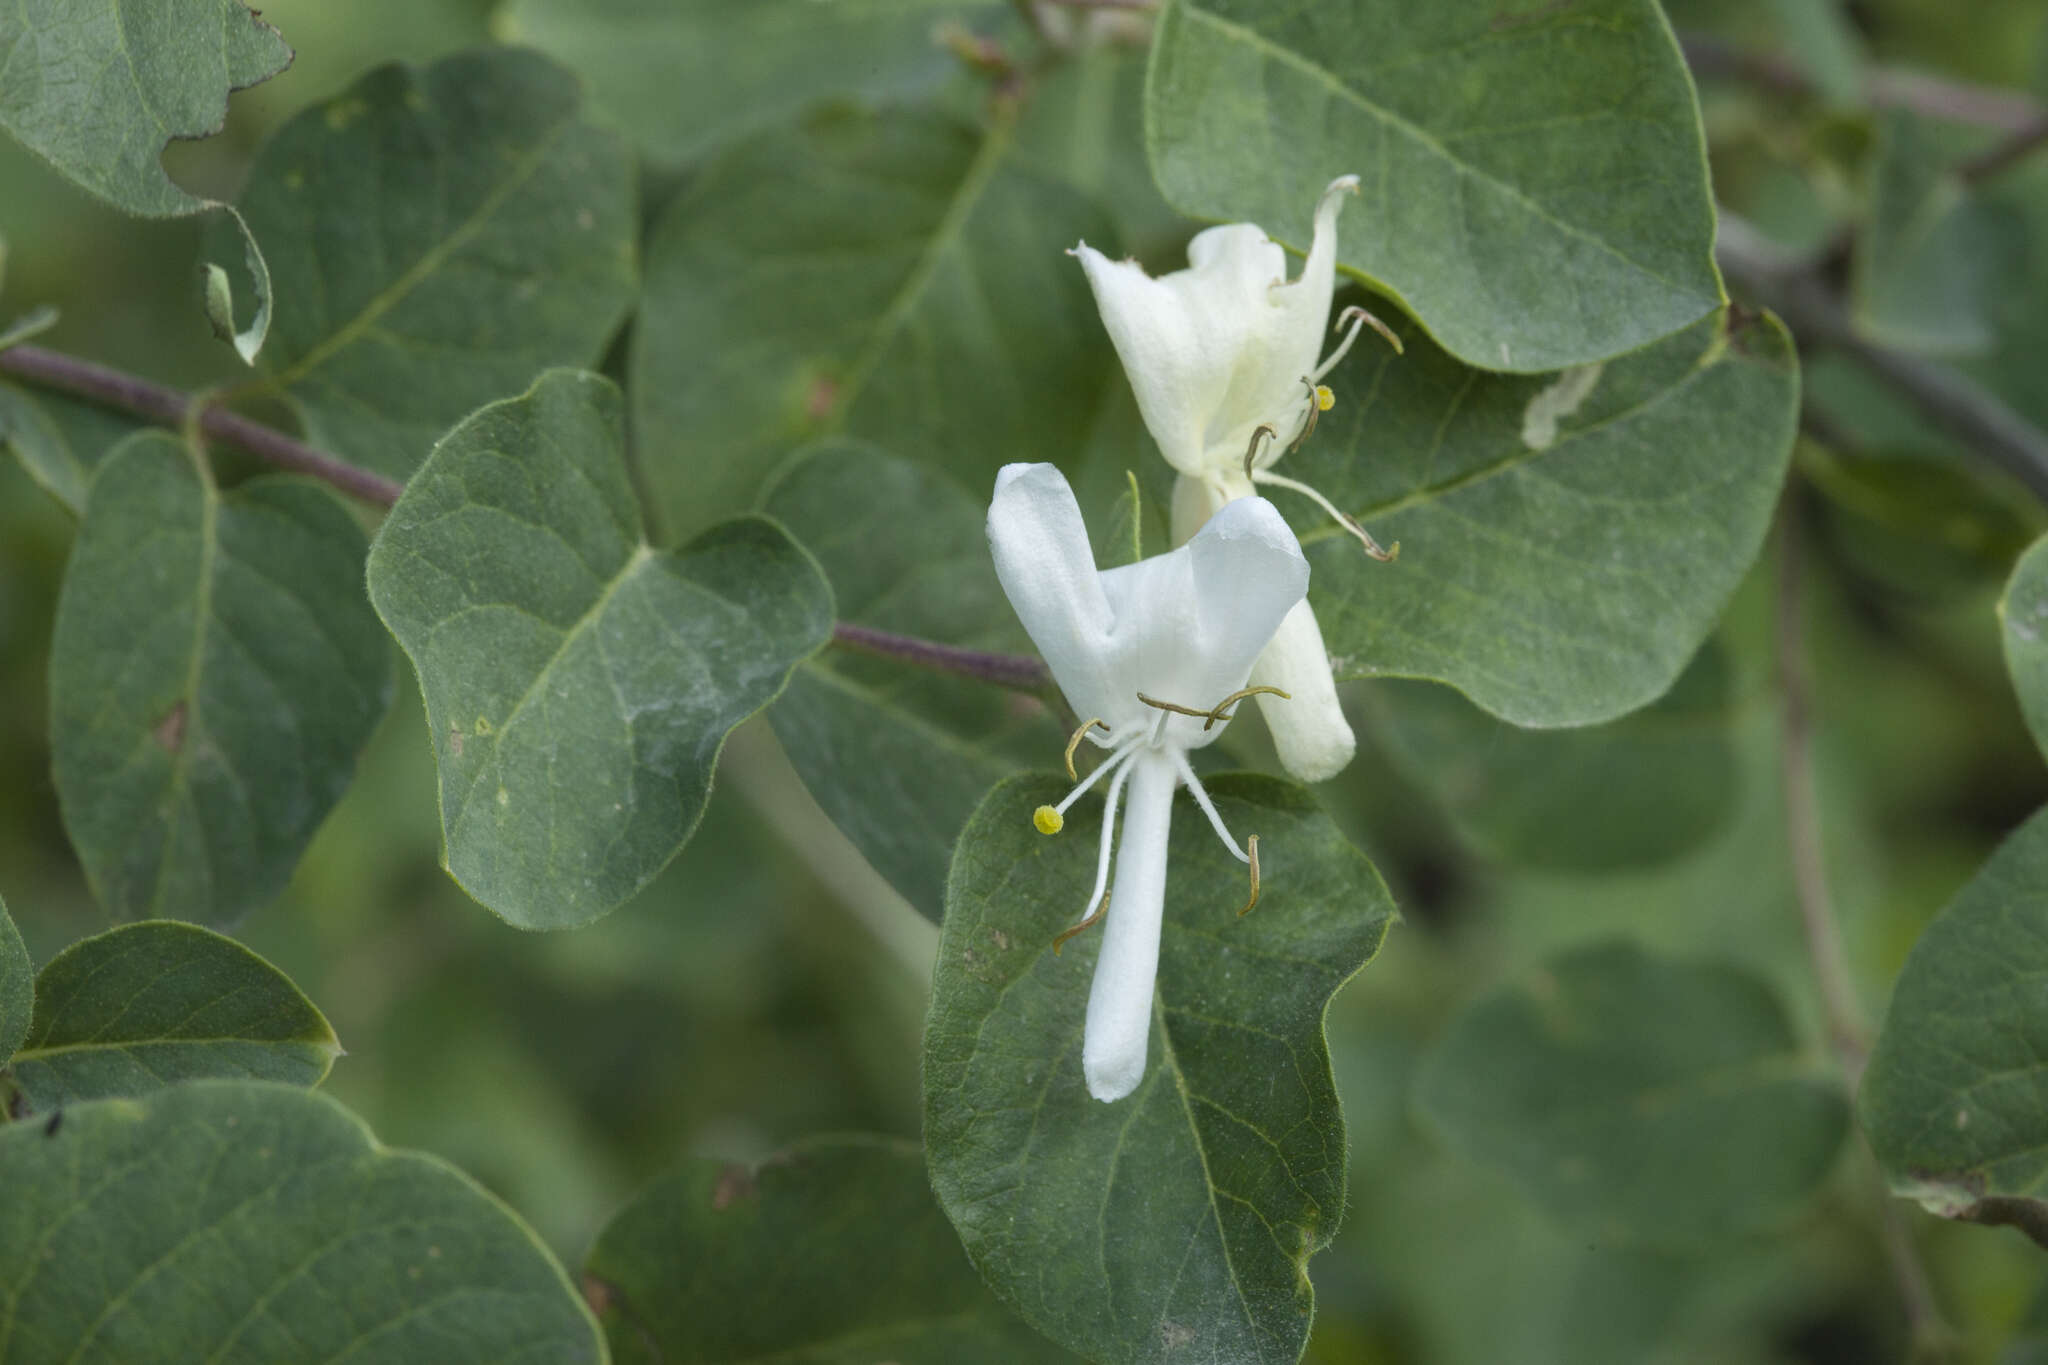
(2023, 613)
(1533, 181)
(898, 756)
(1560, 561)
(683, 75)
(17, 987)
(59, 440)
(1661, 1101)
(832, 1253)
(213, 673)
(1934, 257)
(579, 684)
(248, 1223)
(1955, 1100)
(439, 236)
(1635, 792)
(148, 1005)
(892, 276)
(99, 87)
(1177, 1221)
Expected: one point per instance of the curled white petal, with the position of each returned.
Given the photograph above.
(1119, 1023)
(1309, 729)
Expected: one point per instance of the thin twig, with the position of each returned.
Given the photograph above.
(1795, 290)
(1846, 1027)
(169, 407)
(2015, 147)
(1019, 671)
(1884, 87)
(1848, 1030)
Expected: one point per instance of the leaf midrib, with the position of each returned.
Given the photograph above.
(1428, 140)
(428, 264)
(35, 1054)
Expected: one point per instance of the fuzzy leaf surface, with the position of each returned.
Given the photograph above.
(214, 673)
(1533, 181)
(1176, 1223)
(579, 683)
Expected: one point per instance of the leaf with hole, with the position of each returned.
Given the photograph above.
(214, 672)
(1533, 181)
(248, 1223)
(1178, 1221)
(438, 238)
(579, 683)
(832, 1253)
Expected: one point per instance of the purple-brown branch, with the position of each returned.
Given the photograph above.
(116, 389)
(1019, 671)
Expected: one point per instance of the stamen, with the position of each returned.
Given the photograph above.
(1253, 842)
(1172, 706)
(1251, 450)
(1196, 790)
(1075, 743)
(1320, 401)
(1099, 896)
(1048, 820)
(1060, 940)
(1216, 712)
(1344, 519)
(1355, 317)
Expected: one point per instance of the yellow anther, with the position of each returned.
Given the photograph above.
(1251, 846)
(1325, 400)
(1048, 820)
(1075, 743)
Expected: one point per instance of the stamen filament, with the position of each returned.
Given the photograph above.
(1201, 795)
(1116, 756)
(1099, 896)
(1344, 519)
(1356, 317)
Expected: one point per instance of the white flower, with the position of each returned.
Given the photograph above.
(1180, 628)
(1222, 357)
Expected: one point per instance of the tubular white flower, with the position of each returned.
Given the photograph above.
(1215, 353)
(1184, 627)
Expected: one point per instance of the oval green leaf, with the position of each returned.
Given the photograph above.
(681, 76)
(1955, 1099)
(2023, 613)
(1635, 792)
(440, 237)
(1178, 1221)
(59, 440)
(245, 1224)
(148, 1005)
(1566, 542)
(17, 987)
(1658, 1101)
(1533, 180)
(900, 756)
(895, 276)
(832, 1253)
(213, 674)
(579, 684)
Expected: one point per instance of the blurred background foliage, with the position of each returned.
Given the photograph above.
(764, 989)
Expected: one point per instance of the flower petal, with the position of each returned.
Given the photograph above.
(1309, 729)
(1119, 1026)
(1176, 373)
(1047, 569)
(1248, 573)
